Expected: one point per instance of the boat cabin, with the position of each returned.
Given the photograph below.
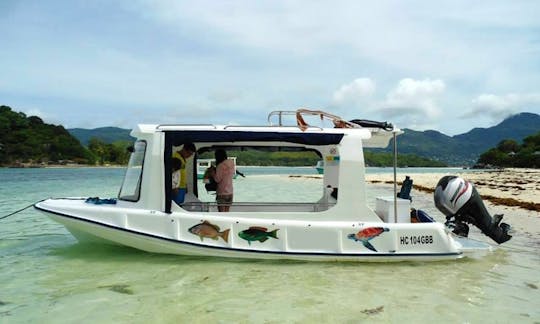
(148, 178)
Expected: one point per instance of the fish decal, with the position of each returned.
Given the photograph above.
(367, 234)
(209, 230)
(255, 233)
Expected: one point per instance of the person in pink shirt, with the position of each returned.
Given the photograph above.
(223, 175)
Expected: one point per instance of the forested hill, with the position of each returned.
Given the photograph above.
(114, 134)
(106, 134)
(459, 150)
(29, 140)
(465, 149)
(509, 153)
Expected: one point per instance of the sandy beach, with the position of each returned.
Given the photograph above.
(512, 192)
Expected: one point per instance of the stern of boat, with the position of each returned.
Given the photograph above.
(472, 248)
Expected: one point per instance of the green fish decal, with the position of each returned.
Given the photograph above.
(255, 233)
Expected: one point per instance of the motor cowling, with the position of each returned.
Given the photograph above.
(458, 199)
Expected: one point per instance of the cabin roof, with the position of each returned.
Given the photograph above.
(201, 136)
(179, 134)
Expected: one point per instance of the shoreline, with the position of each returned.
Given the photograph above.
(506, 187)
(60, 166)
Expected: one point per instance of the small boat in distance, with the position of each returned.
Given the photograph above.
(320, 167)
(204, 164)
(339, 226)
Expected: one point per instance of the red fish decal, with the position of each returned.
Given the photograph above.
(367, 234)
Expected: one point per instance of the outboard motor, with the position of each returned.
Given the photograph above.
(460, 202)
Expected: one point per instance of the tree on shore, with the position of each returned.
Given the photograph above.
(113, 153)
(509, 153)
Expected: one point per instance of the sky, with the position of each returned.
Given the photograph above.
(444, 65)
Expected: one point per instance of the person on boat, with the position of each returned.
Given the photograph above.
(179, 192)
(176, 165)
(223, 175)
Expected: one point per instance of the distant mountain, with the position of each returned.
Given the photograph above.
(515, 127)
(105, 134)
(464, 149)
(458, 150)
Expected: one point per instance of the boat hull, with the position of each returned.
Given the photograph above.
(173, 234)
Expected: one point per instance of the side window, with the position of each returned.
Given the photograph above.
(131, 186)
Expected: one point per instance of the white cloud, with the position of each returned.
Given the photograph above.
(418, 36)
(413, 97)
(502, 106)
(355, 91)
(47, 117)
(35, 112)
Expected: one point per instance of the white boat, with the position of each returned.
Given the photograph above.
(204, 164)
(336, 227)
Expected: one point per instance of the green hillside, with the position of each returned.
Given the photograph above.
(29, 140)
(510, 153)
(105, 134)
(26, 139)
(465, 149)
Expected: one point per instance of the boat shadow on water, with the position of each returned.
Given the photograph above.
(467, 273)
(103, 251)
(91, 251)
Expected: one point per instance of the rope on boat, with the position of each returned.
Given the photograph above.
(32, 205)
(20, 210)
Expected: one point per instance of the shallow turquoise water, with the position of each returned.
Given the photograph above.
(46, 276)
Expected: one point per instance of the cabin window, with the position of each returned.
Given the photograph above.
(131, 186)
(277, 178)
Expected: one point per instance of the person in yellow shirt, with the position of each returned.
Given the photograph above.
(179, 176)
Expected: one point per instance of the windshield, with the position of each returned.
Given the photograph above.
(131, 186)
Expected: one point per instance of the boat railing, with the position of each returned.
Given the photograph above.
(279, 114)
(299, 114)
(259, 206)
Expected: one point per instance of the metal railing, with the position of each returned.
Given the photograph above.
(279, 114)
(259, 207)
